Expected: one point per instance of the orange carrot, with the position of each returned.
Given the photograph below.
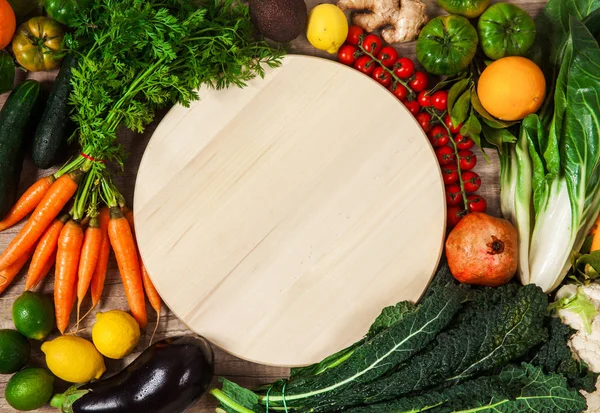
(123, 244)
(594, 229)
(67, 264)
(90, 251)
(595, 242)
(43, 252)
(8, 275)
(46, 270)
(99, 276)
(28, 201)
(55, 199)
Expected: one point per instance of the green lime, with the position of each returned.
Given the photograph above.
(14, 351)
(30, 389)
(33, 315)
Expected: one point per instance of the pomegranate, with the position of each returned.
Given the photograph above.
(483, 250)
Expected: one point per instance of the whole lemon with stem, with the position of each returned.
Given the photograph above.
(115, 334)
(73, 359)
(512, 88)
(327, 27)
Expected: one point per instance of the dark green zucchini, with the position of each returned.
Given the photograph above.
(17, 122)
(51, 136)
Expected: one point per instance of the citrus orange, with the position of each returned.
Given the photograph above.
(8, 23)
(512, 88)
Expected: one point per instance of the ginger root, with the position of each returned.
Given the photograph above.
(402, 18)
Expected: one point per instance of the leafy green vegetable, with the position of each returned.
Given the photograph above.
(515, 389)
(456, 91)
(460, 110)
(7, 72)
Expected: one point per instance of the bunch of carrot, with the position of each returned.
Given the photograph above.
(77, 243)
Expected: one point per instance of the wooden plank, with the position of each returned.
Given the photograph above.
(246, 373)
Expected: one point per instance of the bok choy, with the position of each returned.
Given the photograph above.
(550, 178)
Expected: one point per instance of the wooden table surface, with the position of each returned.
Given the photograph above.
(226, 365)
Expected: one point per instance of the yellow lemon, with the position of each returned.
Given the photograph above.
(115, 334)
(327, 27)
(73, 359)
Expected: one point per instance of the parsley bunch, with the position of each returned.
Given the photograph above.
(136, 56)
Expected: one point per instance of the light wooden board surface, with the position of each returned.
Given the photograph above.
(277, 220)
(243, 372)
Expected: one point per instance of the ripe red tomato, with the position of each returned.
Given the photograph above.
(420, 82)
(424, 99)
(365, 64)
(445, 155)
(347, 54)
(471, 181)
(450, 173)
(463, 142)
(455, 214)
(387, 56)
(404, 68)
(453, 195)
(438, 136)
(450, 125)
(354, 34)
(468, 160)
(399, 90)
(413, 106)
(476, 203)
(382, 76)
(424, 120)
(439, 100)
(372, 44)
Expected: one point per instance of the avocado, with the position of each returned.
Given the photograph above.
(279, 20)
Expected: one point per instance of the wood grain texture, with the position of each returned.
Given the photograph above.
(246, 373)
(289, 210)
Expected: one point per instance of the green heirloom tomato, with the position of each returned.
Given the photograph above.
(63, 11)
(446, 45)
(467, 8)
(505, 30)
(37, 44)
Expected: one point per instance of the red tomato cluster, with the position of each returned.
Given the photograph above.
(367, 54)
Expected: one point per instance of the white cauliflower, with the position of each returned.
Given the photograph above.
(579, 308)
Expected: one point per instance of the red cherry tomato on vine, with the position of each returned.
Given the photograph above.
(413, 106)
(404, 68)
(354, 33)
(455, 214)
(453, 195)
(420, 82)
(476, 203)
(468, 160)
(439, 100)
(463, 142)
(445, 155)
(372, 44)
(347, 54)
(424, 120)
(438, 136)
(450, 125)
(450, 173)
(399, 90)
(382, 76)
(365, 64)
(387, 56)
(471, 181)
(424, 99)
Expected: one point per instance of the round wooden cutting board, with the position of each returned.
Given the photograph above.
(279, 219)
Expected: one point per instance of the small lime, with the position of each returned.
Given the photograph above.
(33, 315)
(14, 351)
(30, 389)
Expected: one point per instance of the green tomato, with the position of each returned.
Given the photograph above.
(467, 8)
(505, 30)
(446, 45)
(63, 11)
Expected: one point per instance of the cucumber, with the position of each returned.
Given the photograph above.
(51, 135)
(17, 120)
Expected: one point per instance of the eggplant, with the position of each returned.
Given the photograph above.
(168, 377)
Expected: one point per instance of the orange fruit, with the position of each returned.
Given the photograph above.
(8, 23)
(512, 88)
